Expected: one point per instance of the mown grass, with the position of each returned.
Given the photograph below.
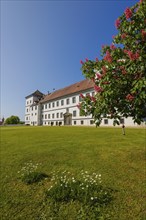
(119, 159)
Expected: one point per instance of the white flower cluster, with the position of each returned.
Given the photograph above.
(66, 179)
(93, 178)
(28, 168)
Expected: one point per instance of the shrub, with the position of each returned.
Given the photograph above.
(29, 174)
(86, 191)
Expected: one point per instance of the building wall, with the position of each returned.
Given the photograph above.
(31, 111)
(53, 112)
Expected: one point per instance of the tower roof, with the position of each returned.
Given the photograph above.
(37, 93)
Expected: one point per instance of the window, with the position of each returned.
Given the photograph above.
(75, 122)
(82, 122)
(80, 98)
(73, 99)
(53, 104)
(62, 102)
(74, 113)
(35, 113)
(57, 103)
(42, 107)
(67, 101)
(57, 115)
(48, 115)
(53, 115)
(91, 122)
(46, 106)
(27, 109)
(42, 116)
(61, 115)
(27, 102)
(106, 121)
(32, 114)
(49, 105)
(32, 108)
(122, 121)
(35, 107)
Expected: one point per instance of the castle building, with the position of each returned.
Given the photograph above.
(60, 107)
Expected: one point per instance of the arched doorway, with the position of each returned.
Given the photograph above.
(67, 118)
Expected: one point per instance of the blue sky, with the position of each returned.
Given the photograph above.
(42, 43)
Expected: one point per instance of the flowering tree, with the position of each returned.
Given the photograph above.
(119, 77)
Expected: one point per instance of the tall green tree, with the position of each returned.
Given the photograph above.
(119, 77)
(12, 120)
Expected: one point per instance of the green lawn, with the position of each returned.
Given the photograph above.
(119, 159)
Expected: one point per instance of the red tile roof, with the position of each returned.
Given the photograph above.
(74, 88)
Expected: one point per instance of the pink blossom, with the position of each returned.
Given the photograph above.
(113, 47)
(143, 32)
(96, 59)
(81, 62)
(108, 57)
(106, 82)
(124, 71)
(123, 35)
(98, 75)
(129, 97)
(104, 70)
(125, 51)
(137, 55)
(79, 105)
(98, 88)
(128, 13)
(93, 98)
(87, 60)
(132, 56)
(117, 23)
(82, 96)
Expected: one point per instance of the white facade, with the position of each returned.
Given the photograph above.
(61, 110)
(54, 112)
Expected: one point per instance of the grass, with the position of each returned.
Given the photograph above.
(119, 159)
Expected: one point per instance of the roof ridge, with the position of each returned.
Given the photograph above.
(68, 90)
(67, 86)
